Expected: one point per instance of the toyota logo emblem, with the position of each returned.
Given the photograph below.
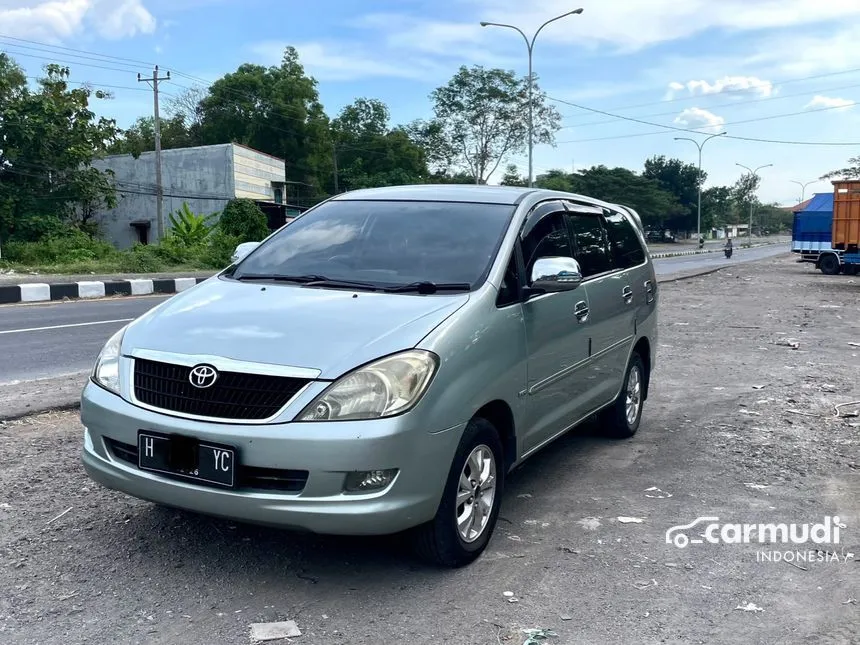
(203, 376)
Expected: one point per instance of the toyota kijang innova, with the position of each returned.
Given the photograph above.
(381, 363)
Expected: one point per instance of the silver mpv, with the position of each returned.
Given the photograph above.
(381, 363)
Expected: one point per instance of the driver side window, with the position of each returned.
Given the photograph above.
(547, 239)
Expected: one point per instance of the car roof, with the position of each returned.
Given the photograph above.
(474, 193)
(441, 193)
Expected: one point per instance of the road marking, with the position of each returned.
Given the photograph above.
(84, 324)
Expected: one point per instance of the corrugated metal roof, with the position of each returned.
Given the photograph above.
(820, 203)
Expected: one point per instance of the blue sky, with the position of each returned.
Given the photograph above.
(738, 65)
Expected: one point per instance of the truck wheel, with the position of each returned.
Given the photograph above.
(470, 503)
(829, 264)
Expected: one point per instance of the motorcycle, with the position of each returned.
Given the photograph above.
(728, 251)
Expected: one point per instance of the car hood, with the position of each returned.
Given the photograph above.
(331, 330)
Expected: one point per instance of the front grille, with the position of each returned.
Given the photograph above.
(234, 395)
(248, 478)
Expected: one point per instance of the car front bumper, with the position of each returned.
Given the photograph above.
(327, 451)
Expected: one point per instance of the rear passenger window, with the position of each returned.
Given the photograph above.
(589, 243)
(626, 249)
(549, 238)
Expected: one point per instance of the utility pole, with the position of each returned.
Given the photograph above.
(159, 189)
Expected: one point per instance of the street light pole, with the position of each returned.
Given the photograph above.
(699, 180)
(803, 188)
(754, 173)
(530, 45)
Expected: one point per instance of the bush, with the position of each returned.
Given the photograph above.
(219, 251)
(72, 246)
(188, 227)
(141, 259)
(242, 219)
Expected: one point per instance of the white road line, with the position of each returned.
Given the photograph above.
(84, 324)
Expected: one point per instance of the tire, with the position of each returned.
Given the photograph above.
(616, 423)
(829, 264)
(440, 541)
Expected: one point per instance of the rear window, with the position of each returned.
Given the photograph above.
(388, 243)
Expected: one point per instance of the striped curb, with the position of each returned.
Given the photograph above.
(675, 254)
(42, 292)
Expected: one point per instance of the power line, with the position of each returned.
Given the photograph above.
(719, 106)
(735, 91)
(696, 131)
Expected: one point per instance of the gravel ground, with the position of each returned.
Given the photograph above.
(739, 426)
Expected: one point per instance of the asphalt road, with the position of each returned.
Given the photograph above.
(749, 438)
(47, 340)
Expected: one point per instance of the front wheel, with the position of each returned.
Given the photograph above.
(621, 419)
(829, 264)
(470, 503)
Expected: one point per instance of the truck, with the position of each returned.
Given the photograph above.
(814, 228)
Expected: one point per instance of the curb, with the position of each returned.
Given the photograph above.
(43, 292)
(675, 254)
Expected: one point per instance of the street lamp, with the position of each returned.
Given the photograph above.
(754, 174)
(803, 188)
(530, 44)
(699, 179)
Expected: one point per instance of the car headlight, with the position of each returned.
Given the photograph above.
(383, 388)
(106, 369)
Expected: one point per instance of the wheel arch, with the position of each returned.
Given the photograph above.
(643, 348)
(500, 414)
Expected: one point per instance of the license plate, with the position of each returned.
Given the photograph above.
(187, 457)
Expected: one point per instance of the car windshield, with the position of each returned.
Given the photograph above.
(387, 244)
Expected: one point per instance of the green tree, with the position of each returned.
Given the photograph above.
(140, 136)
(512, 177)
(50, 137)
(369, 153)
(189, 228)
(275, 110)
(481, 117)
(682, 180)
(244, 220)
(849, 172)
(718, 208)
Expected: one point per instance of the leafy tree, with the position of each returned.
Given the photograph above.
(619, 186)
(682, 180)
(50, 137)
(718, 207)
(850, 172)
(275, 110)
(242, 219)
(481, 117)
(140, 136)
(512, 177)
(369, 153)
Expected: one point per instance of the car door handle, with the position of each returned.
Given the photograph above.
(580, 310)
(649, 292)
(627, 294)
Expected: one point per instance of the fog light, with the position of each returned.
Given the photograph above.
(369, 480)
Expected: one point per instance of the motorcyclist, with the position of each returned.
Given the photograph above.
(728, 247)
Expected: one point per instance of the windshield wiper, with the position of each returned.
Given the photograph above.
(427, 287)
(309, 280)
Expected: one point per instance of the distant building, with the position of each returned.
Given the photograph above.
(204, 177)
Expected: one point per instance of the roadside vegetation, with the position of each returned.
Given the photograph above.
(195, 242)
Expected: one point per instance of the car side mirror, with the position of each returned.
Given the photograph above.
(242, 250)
(555, 274)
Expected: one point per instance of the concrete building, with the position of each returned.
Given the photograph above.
(204, 177)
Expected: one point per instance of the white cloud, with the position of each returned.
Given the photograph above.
(57, 20)
(698, 119)
(736, 86)
(826, 102)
